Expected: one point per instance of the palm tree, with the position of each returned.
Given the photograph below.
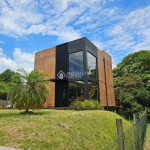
(29, 89)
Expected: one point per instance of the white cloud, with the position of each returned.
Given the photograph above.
(68, 33)
(16, 16)
(21, 18)
(21, 56)
(110, 28)
(132, 31)
(98, 44)
(114, 60)
(6, 62)
(21, 60)
(141, 46)
(1, 53)
(2, 42)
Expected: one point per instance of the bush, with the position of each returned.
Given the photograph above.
(86, 105)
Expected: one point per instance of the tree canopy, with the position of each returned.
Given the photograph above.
(132, 82)
(137, 63)
(5, 79)
(6, 76)
(132, 95)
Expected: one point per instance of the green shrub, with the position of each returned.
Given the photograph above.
(86, 105)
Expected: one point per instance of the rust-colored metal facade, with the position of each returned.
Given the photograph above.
(106, 88)
(46, 61)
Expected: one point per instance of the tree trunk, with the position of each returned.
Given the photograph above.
(26, 110)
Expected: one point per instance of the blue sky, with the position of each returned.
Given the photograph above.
(118, 26)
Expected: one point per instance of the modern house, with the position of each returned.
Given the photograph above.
(77, 70)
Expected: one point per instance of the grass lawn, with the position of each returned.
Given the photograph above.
(58, 129)
(147, 139)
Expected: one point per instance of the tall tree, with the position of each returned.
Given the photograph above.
(4, 90)
(29, 89)
(132, 95)
(5, 79)
(132, 82)
(137, 63)
(6, 76)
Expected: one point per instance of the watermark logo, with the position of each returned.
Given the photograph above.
(61, 75)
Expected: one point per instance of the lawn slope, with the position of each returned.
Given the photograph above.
(58, 129)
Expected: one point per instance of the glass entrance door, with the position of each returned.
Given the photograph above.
(76, 91)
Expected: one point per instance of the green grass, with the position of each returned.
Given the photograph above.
(58, 129)
(147, 139)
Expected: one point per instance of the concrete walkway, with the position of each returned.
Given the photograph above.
(7, 148)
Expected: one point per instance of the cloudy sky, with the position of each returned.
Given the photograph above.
(118, 26)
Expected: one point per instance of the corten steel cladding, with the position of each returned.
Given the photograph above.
(46, 61)
(106, 88)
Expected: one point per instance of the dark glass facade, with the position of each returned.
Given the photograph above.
(78, 60)
(91, 65)
(76, 91)
(93, 90)
(75, 64)
(80, 68)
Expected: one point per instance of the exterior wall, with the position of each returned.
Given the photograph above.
(105, 76)
(46, 61)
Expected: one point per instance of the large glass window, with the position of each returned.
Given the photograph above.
(92, 66)
(92, 88)
(76, 64)
(76, 91)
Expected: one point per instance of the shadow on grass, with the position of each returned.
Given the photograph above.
(14, 113)
(34, 113)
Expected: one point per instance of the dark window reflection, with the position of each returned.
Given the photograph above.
(92, 71)
(76, 91)
(92, 88)
(76, 64)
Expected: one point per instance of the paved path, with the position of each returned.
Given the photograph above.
(7, 148)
